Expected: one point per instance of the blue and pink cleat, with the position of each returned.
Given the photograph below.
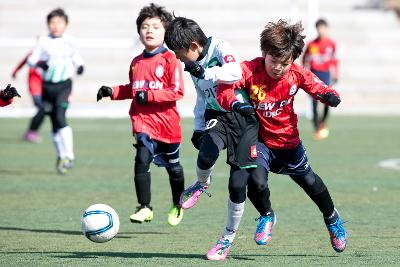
(263, 233)
(191, 195)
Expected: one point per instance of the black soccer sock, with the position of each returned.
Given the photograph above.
(177, 182)
(142, 186)
(261, 201)
(324, 202)
(332, 218)
(258, 191)
(37, 120)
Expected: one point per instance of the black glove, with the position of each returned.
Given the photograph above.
(104, 91)
(80, 70)
(141, 97)
(246, 109)
(43, 65)
(329, 98)
(194, 69)
(196, 139)
(9, 93)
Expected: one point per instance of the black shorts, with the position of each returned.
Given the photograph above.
(163, 154)
(239, 134)
(292, 161)
(55, 95)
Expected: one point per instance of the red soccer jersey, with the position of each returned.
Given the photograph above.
(320, 55)
(273, 100)
(161, 76)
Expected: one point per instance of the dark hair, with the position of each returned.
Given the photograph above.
(321, 22)
(58, 12)
(181, 32)
(282, 40)
(153, 11)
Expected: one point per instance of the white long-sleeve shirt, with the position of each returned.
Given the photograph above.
(221, 65)
(60, 55)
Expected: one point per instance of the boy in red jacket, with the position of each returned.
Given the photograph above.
(320, 58)
(155, 85)
(35, 88)
(272, 81)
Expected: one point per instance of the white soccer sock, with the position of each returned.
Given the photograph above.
(235, 212)
(68, 141)
(59, 145)
(203, 176)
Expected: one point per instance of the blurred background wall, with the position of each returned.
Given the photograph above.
(367, 34)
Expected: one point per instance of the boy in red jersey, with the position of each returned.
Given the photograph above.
(155, 85)
(320, 58)
(272, 81)
(35, 88)
(7, 95)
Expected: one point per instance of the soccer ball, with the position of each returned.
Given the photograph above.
(100, 223)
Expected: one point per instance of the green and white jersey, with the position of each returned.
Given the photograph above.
(60, 55)
(221, 65)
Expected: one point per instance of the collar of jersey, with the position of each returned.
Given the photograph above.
(159, 50)
(205, 49)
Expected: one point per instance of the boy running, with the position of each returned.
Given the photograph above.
(155, 85)
(35, 88)
(211, 61)
(7, 95)
(272, 82)
(320, 58)
(57, 56)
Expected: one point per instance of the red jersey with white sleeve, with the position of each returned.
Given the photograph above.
(161, 76)
(320, 55)
(273, 100)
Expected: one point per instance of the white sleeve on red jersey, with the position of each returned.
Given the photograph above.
(230, 70)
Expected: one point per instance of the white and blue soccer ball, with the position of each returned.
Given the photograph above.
(100, 223)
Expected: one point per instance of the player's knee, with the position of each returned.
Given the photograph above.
(176, 173)
(237, 194)
(142, 159)
(207, 158)
(258, 181)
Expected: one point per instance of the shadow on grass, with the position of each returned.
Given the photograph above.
(70, 232)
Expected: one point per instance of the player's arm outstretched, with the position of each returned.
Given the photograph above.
(229, 72)
(7, 95)
(313, 86)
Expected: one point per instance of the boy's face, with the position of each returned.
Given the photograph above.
(151, 33)
(322, 31)
(191, 54)
(57, 26)
(275, 67)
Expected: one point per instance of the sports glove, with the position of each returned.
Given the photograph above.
(43, 65)
(141, 97)
(246, 109)
(9, 93)
(104, 91)
(196, 139)
(329, 98)
(80, 70)
(194, 69)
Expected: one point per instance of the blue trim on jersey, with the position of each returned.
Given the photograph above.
(103, 229)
